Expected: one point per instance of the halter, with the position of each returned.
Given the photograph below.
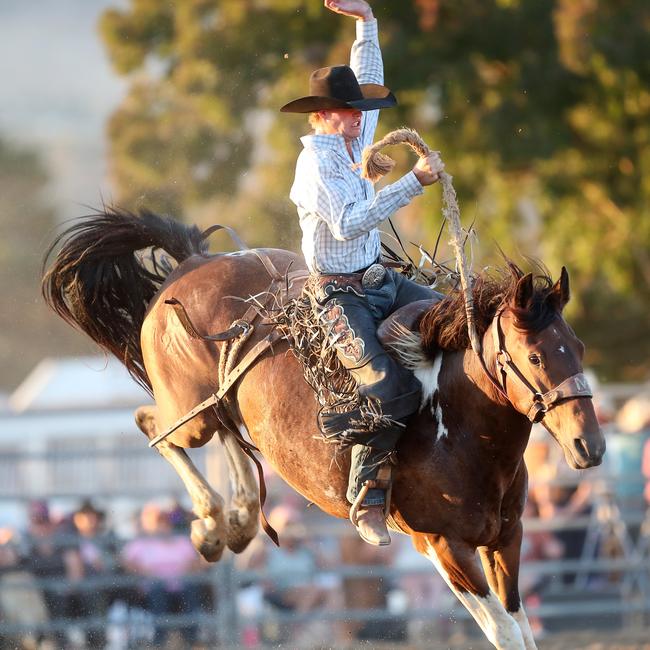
(540, 403)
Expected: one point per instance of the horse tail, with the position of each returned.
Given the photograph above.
(100, 284)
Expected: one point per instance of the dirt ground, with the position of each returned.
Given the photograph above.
(620, 640)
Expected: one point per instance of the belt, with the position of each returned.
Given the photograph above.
(375, 270)
(372, 277)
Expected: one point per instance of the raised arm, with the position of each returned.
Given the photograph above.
(365, 57)
(358, 9)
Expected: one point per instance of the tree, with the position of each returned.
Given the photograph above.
(540, 108)
(28, 330)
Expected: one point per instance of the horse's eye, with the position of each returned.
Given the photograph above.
(535, 359)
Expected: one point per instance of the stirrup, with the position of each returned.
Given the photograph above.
(383, 483)
(354, 508)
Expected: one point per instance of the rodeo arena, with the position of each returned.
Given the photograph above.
(95, 548)
(340, 439)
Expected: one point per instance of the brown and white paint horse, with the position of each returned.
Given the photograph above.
(461, 480)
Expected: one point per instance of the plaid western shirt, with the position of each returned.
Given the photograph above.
(339, 211)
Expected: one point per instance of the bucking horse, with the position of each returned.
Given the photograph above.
(460, 482)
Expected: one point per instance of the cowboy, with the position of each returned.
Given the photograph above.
(339, 216)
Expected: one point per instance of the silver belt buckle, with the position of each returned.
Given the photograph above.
(373, 276)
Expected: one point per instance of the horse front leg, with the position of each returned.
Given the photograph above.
(209, 531)
(457, 564)
(501, 566)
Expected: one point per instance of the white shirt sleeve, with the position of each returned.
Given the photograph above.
(332, 199)
(368, 66)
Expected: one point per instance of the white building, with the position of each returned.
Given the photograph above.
(68, 432)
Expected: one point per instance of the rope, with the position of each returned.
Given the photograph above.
(375, 165)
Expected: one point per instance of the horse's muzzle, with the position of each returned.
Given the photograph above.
(585, 453)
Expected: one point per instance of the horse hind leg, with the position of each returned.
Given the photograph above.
(243, 515)
(208, 532)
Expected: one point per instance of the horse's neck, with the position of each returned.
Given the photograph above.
(475, 410)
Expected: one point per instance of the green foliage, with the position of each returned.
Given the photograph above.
(28, 330)
(540, 107)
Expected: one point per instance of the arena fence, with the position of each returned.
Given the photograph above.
(608, 584)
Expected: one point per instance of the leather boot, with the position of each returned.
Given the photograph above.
(371, 525)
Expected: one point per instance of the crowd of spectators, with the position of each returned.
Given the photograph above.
(74, 582)
(69, 581)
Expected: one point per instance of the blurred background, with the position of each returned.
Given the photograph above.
(541, 109)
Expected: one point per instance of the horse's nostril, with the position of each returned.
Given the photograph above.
(581, 447)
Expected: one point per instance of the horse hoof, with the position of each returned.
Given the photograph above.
(206, 542)
(238, 517)
(242, 528)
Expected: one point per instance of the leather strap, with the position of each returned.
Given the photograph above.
(571, 388)
(233, 235)
(251, 356)
(239, 327)
(261, 255)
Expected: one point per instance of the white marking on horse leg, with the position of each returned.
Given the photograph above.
(499, 627)
(205, 501)
(429, 377)
(524, 626)
(208, 532)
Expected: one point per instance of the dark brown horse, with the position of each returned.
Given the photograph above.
(461, 479)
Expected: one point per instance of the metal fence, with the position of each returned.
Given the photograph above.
(608, 584)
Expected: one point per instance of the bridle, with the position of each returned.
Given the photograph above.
(539, 403)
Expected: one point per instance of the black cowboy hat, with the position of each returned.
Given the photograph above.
(337, 87)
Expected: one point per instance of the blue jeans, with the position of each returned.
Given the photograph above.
(378, 376)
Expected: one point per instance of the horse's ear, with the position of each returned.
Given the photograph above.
(524, 291)
(560, 293)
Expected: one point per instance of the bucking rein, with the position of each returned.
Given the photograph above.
(374, 165)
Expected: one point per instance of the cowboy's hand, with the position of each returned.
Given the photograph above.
(355, 8)
(428, 168)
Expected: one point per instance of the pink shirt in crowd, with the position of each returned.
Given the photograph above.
(167, 558)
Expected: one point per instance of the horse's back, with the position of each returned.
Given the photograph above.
(213, 290)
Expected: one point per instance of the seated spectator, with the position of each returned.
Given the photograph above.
(164, 559)
(369, 591)
(559, 493)
(625, 450)
(293, 583)
(21, 602)
(48, 554)
(422, 587)
(97, 549)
